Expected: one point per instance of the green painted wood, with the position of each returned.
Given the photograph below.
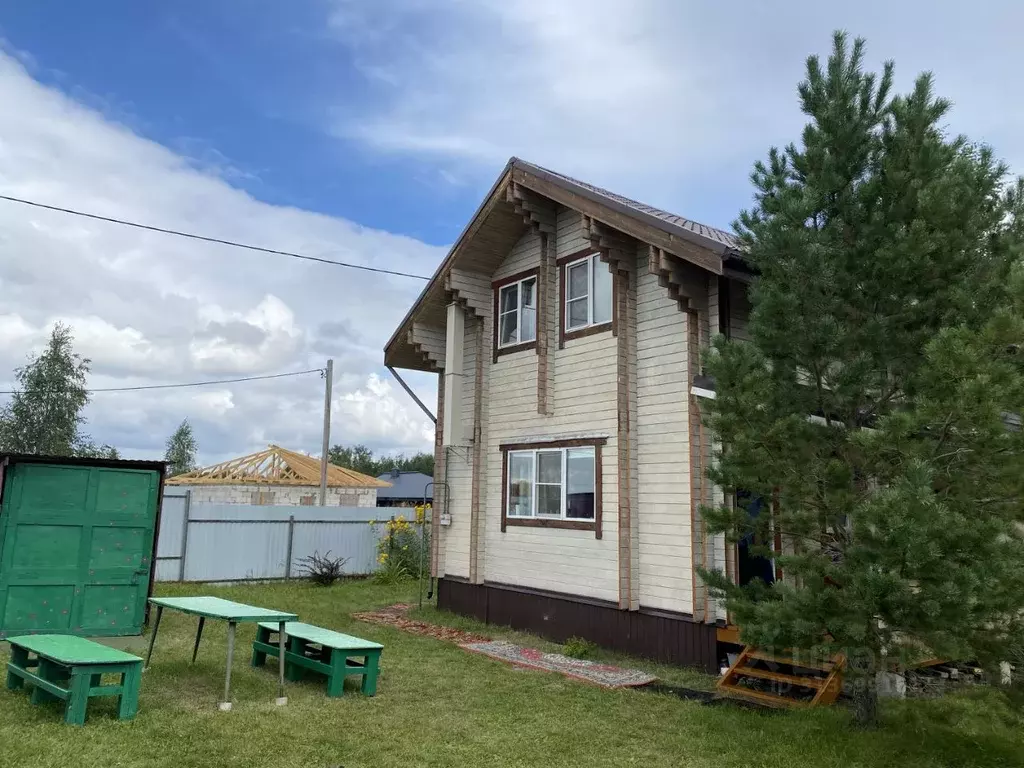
(128, 704)
(334, 662)
(293, 657)
(47, 689)
(72, 651)
(325, 637)
(259, 656)
(78, 701)
(76, 684)
(76, 548)
(369, 687)
(218, 608)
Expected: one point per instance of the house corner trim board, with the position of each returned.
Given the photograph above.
(438, 506)
(546, 319)
(628, 523)
(478, 514)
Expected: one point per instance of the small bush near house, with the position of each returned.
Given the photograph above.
(403, 550)
(323, 570)
(578, 648)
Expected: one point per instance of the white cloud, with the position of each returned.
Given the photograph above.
(668, 101)
(149, 308)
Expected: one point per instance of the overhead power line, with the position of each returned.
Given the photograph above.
(171, 386)
(205, 239)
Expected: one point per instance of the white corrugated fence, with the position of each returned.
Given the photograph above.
(238, 542)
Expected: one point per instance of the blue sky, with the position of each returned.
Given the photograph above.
(368, 132)
(248, 93)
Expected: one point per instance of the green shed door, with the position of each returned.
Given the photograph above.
(76, 547)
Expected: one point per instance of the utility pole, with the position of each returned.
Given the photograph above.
(327, 433)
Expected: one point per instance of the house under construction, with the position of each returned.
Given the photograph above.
(279, 476)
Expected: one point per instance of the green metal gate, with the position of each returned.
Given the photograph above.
(76, 548)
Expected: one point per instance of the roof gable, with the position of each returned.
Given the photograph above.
(276, 466)
(505, 215)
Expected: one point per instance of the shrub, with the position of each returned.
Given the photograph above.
(403, 549)
(323, 570)
(391, 570)
(578, 648)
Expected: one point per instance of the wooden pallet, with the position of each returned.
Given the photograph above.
(792, 682)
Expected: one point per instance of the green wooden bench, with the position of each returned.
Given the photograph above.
(321, 650)
(71, 669)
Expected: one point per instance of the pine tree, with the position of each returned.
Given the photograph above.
(44, 415)
(869, 412)
(181, 450)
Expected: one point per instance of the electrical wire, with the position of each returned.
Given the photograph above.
(171, 386)
(205, 239)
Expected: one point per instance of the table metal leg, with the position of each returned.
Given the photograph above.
(225, 705)
(281, 698)
(199, 636)
(152, 637)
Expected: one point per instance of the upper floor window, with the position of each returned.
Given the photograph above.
(587, 287)
(517, 312)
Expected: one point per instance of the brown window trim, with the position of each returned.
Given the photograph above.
(496, 286)
(566, 335)
(597, 443)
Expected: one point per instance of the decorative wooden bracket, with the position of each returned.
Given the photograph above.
(429, 343)
(538, 213)
(616, 248)
(670, 272)
(470, 290)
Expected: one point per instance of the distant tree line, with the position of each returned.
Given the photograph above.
(362, 459)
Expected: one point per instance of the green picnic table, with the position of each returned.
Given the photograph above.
(234, 614)
(71, 669)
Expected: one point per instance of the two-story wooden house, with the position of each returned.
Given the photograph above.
(566, 325)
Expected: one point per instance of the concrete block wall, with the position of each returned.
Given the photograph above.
(287, 495)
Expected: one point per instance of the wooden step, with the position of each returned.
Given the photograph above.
(826, 687)
(760, 697)
(778, 659)
(779, 677)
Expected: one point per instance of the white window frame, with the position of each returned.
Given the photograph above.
(518, 311)
(593, 262)
(533, 453)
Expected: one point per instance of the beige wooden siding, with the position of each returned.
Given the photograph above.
(570, 233)
(573, 562)
(663, 449)
(524, 255)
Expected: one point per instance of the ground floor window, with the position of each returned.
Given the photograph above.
(555, 484)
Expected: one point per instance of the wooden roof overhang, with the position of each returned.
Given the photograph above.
(501, 220)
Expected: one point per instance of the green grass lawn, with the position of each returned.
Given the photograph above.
(438, 705)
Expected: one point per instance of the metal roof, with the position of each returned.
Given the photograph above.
(671, 222)
(404, 485)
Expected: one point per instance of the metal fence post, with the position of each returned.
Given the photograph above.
(184, 535)
(291, 542)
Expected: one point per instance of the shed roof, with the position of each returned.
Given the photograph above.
(405, 485)
(276, 466)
